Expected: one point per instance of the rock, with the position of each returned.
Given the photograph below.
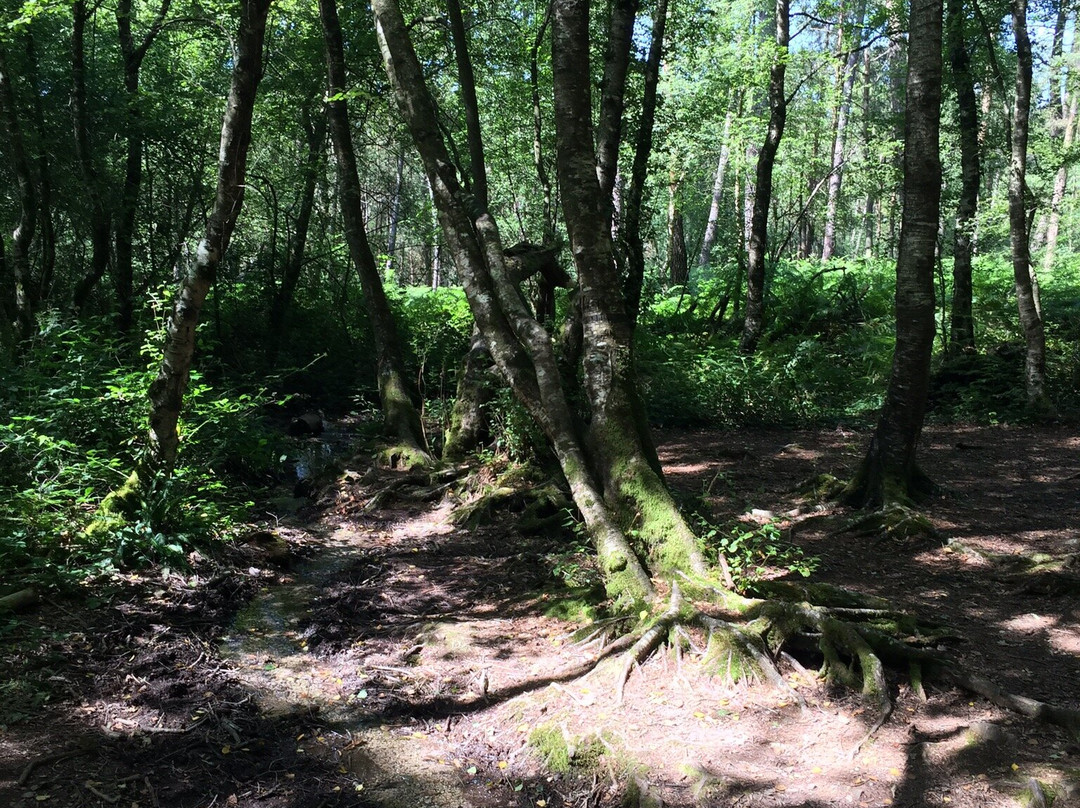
(310, 423)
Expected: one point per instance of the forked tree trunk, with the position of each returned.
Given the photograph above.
(401, 417)
(1030, 317)
(519, 345)
(889, 473)
(618, 440)
(757, 251)
(167, 390)
(612, 95)
(23, 236)
(962, 324)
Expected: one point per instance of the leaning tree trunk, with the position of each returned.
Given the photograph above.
(401, 418)
(23, 236)
(962, 324)
(889, 474)
(167, 390)
(757, 251)
(519, 345)
(712, 224)
(1019, 237)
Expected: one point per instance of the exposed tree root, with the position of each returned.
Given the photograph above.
(749, 639)
(896, 521)
(1038, 573)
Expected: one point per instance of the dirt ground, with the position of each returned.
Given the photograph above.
(366, 652)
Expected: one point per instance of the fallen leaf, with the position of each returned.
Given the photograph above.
(503, 764)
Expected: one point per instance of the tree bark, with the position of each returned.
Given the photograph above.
(519, 345)
(962, 324)
(133, 56)
(100, 219)
(475, 386)
(618, 440)
(45, 229)
(612, 95)
(167, 390)
(401, 417)
(712, 224)
(467, 84)
(757, 251)
(1030, 317)
(23, 235)
(889, 473)
(539, 163)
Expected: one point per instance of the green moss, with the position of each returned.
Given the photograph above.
(117, 507)
(577, 605)
(403, 457)
(563, 751)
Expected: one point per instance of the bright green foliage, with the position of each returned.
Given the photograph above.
(72, 412)
(752, 552)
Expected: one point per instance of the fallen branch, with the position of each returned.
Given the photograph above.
(19, 601)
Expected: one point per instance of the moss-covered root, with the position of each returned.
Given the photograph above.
(118, 506)
(403, 457)
(896, 521)
(739, 654)
(650, 639)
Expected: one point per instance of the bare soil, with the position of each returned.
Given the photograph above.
(384, 657)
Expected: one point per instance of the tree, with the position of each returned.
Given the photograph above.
(401, 418)
(1019, 236)
(167, 390)
(889, 473)
(759, 225)
(962, 326)
(23, 236)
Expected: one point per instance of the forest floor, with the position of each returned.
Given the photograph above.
(385, 657)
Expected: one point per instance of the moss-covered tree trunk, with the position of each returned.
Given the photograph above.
(401, 416)
(520, 346)
(619, 445)
(167, 390)
(889, 473)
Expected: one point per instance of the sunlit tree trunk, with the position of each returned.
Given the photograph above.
(757, 249)
(712, 225)
(167, 390)
(962, 327)
(520, 346)
(889, 472)
(1030, 317)
(401, 416)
